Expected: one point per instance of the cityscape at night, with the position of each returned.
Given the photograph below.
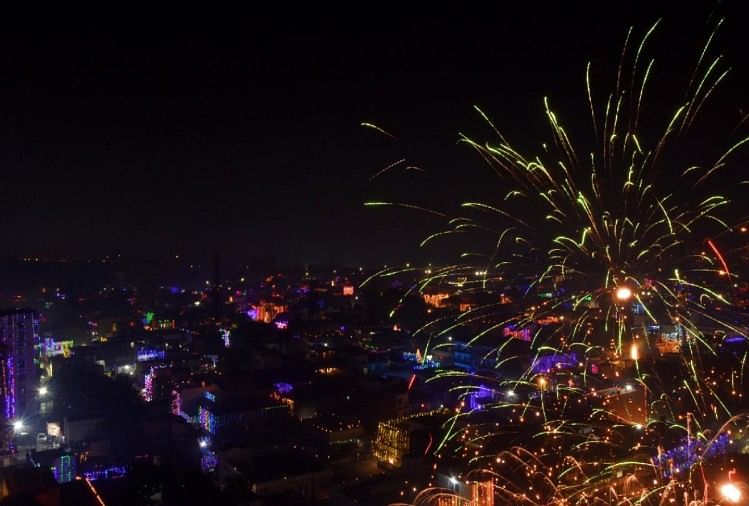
(475, 256)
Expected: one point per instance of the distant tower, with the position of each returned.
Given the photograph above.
(19, 331)
(216, 288)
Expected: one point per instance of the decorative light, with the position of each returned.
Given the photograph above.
(730, 492)
(623, 293)
(634, 353)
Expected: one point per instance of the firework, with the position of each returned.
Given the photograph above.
(630, 351)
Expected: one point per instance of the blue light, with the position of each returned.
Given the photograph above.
(687, 454)
(106, 473)
(146, 354)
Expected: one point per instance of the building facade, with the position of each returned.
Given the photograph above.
(19, 331)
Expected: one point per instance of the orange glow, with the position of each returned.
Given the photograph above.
(623, 293)
(436, 299)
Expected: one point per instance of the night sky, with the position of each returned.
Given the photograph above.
(244, 138)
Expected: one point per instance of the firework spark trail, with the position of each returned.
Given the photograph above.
(609, 222)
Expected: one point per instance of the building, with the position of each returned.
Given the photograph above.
(289, 476)
(7, 392)
(61, 462)
(465, 493)
(411, 435)
(19, 331)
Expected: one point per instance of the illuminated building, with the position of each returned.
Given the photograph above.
(214, 412)
(144, 354)
(436, 299)
(105, 473)
(398, 437)
(166, 325)
(474, 493)
(19, 331)
(524, 334)
(669, 337)
(428, 362)
(61, 462)
(266, 312)
(482, 493)
(7, 391)
(52, 348)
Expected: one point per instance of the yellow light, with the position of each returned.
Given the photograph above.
(623, 293)
(730, 492)
(634, 353)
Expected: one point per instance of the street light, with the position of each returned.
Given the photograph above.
(43, 391)
(730, 492)
(17, 426)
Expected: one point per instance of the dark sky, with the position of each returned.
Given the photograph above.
(191, 136)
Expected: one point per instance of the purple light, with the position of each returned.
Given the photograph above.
(10, 395)
(283, 388)
(176, 403)
(523, 334)
(481, 392)
(208, 461)
(548, 363)
(206, 419)
(735, 339)
(685, 455)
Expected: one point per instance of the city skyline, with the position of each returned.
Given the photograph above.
(456, 256)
